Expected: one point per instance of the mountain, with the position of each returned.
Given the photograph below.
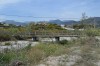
(64, 22)
(93, 20)
(90, 20)
(56, 21)
(70, 22)
(13, 22)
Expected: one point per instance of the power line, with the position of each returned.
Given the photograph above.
(36, 17)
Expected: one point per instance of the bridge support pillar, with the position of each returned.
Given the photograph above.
(35, 39)
(57, 39)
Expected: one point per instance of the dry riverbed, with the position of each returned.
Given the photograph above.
(77, 57)
(16, 44)
(84, 53)
(80, 52)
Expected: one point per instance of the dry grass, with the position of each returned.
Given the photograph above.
(41, 51)
(89, 51)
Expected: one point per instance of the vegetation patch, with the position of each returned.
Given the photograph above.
(63, 42)
(8, 44)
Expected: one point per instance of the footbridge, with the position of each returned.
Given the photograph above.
(51, 34)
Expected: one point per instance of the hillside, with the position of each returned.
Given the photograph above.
(13, 22)
(90, 20)
(64, 22)
(93, 20)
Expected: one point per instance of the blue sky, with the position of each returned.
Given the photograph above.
(67, 9)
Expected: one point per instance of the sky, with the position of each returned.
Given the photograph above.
(55, 9)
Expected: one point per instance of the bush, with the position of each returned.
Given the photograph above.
(6, 58)
(5, 37)
(7, 44)
(18, 37)
(63, 42)
(35, 55)
(92, 32)
(41, 51)
(28, 47)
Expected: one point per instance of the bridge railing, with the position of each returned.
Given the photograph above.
(55, 33)
(50, 33)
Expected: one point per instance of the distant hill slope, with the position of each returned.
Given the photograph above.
(93, 20)
(64, 22)
(61, 22)
(90, 20)
(13, 22)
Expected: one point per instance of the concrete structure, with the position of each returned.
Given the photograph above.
(56, 35)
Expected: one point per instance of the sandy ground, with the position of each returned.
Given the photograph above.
(65, 60)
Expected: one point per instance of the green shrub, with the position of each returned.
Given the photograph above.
(6, 57)
(5, 37)
(48, 49)
(63, 42)
(92, 32)
(41, 51)
(18, 37)
(28, 47)
(35, 55)
(7, 44)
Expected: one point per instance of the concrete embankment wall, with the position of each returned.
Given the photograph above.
(60, 38)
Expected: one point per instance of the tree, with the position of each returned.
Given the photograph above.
(45, 26)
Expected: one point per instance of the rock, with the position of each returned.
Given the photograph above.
(16, 63)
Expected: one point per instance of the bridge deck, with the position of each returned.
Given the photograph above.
(52, 34)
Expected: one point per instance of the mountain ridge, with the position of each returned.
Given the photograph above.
(13, 22)
(90, 20)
